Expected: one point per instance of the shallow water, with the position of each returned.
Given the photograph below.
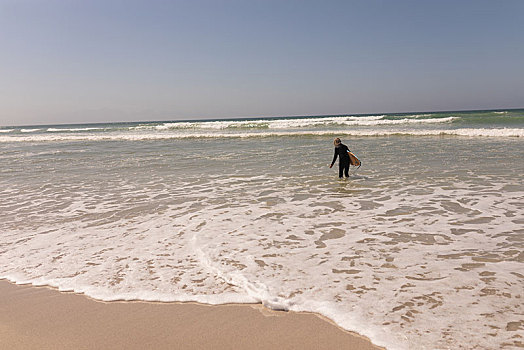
(420, 248)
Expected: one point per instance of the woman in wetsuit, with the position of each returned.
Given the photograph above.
(341, 151)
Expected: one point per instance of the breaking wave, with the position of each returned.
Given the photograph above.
(299, 123)
(128, 136)
(72, 129)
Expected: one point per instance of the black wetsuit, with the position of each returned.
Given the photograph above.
(343, 163)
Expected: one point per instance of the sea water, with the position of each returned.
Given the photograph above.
(420, 248)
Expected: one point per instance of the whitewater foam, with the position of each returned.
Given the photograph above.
(299, 123)
(287, 254)
(128, 136)
(72, 129)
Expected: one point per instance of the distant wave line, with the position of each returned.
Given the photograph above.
(296, 123)
(73, 129)
(505, 132)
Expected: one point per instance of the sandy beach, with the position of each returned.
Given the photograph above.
(44, 318)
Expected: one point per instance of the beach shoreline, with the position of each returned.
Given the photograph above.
(418, 248)
(45, 318)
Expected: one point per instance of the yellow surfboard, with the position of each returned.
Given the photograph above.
(354, 160)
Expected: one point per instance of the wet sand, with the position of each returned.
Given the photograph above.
(44, 318)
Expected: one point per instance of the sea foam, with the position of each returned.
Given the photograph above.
(142, 136)
(72, 129)
(290, 255)
(299, 123)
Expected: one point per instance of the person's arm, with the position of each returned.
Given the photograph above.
(334, 158)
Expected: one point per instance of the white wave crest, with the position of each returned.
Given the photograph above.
(297, 123)
(29, 130)
(6, 130)
(400, 121)
(126, 136)
(73, 129)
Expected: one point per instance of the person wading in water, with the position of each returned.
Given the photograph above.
(343, 163)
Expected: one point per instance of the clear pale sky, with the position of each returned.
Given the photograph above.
(99, 61)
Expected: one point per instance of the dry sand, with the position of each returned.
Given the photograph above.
(43, 318)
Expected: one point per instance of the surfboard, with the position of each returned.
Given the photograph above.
(354, 160)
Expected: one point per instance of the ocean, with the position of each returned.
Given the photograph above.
(420, 248)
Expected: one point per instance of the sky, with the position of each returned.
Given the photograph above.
(82, 61)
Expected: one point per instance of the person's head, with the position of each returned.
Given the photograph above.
(337, 142)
